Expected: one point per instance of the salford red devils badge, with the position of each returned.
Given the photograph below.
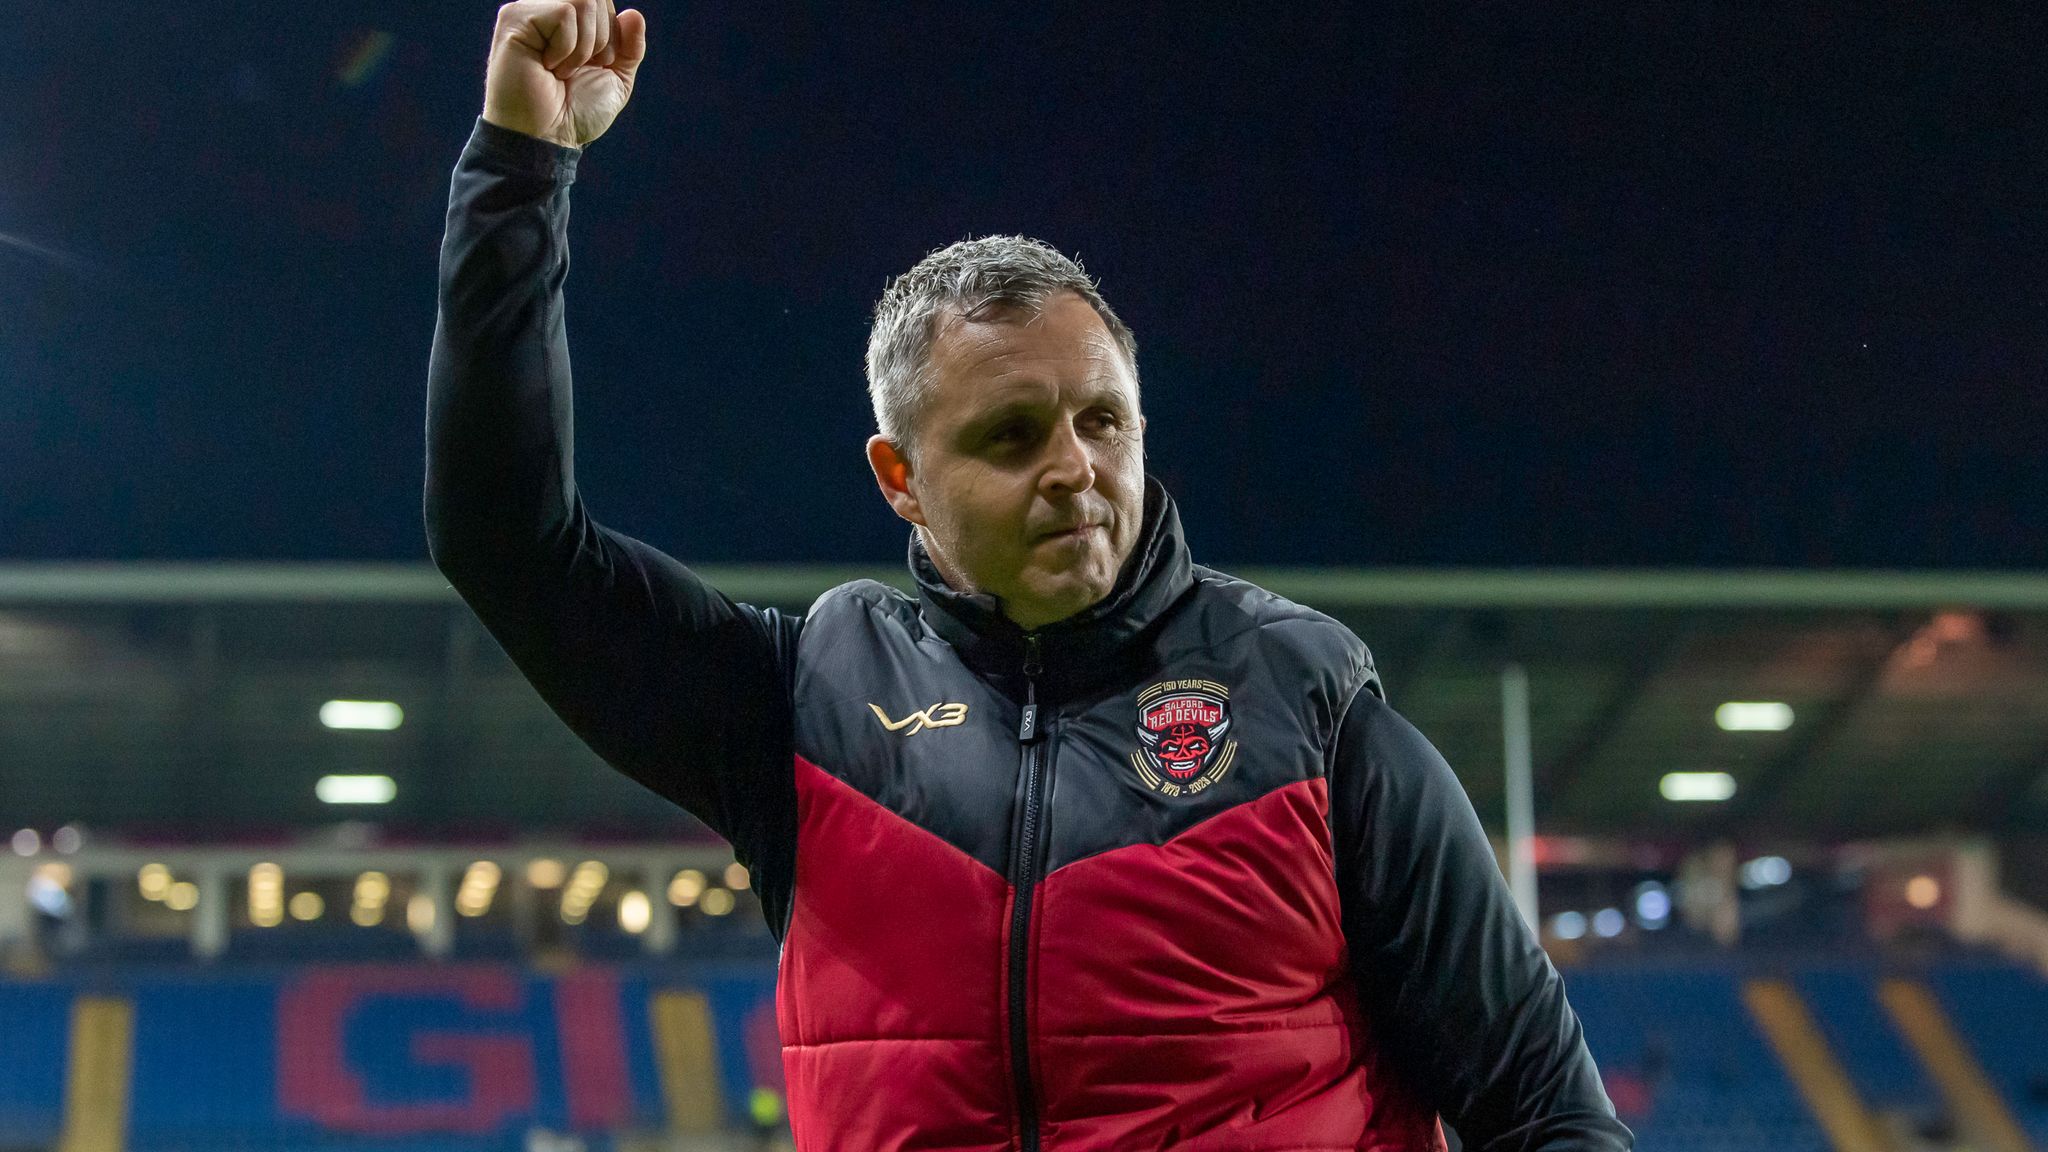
(1182, 725)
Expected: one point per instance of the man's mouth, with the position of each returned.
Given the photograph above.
(1068, 533)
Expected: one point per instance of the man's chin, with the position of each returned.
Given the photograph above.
(1057, 598)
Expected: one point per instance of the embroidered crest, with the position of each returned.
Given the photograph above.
(1183, 727)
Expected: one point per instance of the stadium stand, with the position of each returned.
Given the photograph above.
(198, 951)
(2002, 1011)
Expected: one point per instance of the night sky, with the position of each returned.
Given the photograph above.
(1520, 285)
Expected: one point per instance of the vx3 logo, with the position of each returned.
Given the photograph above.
(936, 716)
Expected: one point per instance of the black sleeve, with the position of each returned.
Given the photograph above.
(1456, 985)
(669, 681)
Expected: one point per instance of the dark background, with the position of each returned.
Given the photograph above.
(1570, 284)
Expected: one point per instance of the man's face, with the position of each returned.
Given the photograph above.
(1028, 471)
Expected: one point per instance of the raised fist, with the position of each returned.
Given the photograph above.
(562, 69)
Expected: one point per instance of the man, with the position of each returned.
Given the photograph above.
(1084, 846)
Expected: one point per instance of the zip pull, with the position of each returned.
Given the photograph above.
(1027, 728)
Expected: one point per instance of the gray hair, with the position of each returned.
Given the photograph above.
(968, 277)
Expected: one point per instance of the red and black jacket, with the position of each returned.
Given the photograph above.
(1168, 874)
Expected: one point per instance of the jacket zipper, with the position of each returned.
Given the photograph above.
(1030, 844)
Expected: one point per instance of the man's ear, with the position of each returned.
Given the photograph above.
(893, 476)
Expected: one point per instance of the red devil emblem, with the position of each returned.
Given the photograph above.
(1182, 727)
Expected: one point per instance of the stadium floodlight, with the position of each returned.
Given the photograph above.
(1753, 716)
(479, 885)
(356, 789)
(362, 715)
(544, 873)
(266, 895)
(584, 886)
(1766, 872)
(49, 890)
(636, 911)
(372, 889)
(419, 914)
(153, 881)
(684, 890)
(1697, 786)
(1923, 892)
(1653, 905)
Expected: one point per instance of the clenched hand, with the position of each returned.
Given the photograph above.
(562, 69)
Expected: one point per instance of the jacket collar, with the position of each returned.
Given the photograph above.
(1158, 572)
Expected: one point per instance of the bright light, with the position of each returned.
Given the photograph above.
(1766, 872)
(1608, 922)
(717, 902)
(356, 789)
(266, 895)
(372, 890)
(736, 876)
(307, 906)
(545, 873)
(479, 884)
(1753, 716)
(686, 887)
(1568, 925)
(584, 886)
(153, 881)
(48, 892)
(27, 842)
(419, 913)
(1653, 905)
(1923, 892)
(635, 911)
(366, 715)
(67, 839)
(1697, 786)
(182, 896)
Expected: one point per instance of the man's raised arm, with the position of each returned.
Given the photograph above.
(671, 682)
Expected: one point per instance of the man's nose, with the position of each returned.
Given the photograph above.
(1070, 464)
